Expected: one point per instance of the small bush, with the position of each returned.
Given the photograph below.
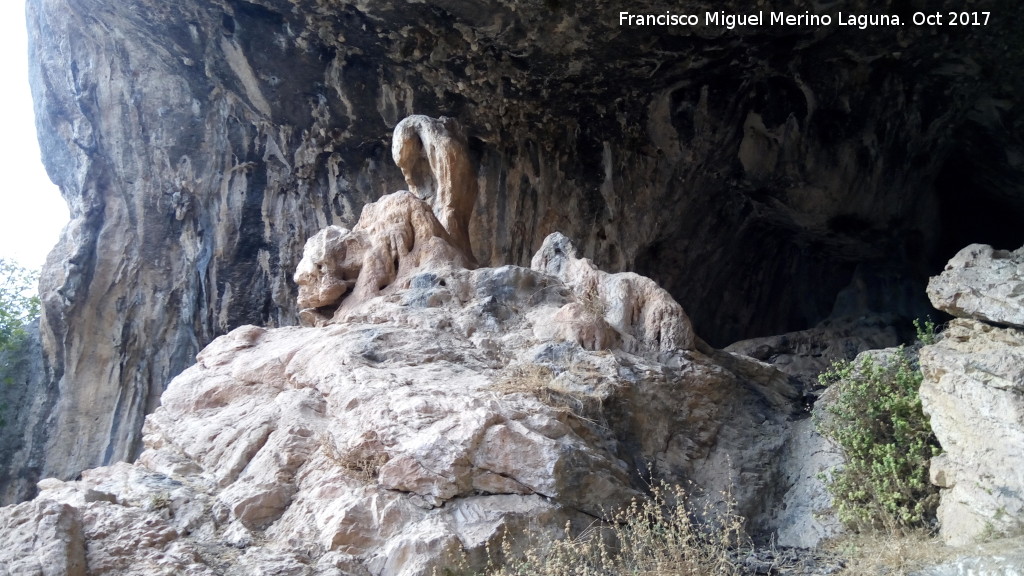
(659, 536)
(877, 421)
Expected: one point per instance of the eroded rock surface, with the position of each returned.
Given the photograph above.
(973, 391)
(396, 237)
(983, 283)
(612, 310)
(418, 424)
(749, 171)
(434, 158)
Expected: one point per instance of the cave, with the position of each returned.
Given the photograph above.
(768, 177)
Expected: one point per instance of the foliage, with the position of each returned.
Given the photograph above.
(877, 421)
(925, 331)
(661, 535)
(19, 304)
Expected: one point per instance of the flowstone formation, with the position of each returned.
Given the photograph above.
(434, 158)
(750, 171)
(428, 410)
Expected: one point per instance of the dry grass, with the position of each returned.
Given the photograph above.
(894, 552)
(591, 302)
(540, 382)
(362, 465)
(658, 536)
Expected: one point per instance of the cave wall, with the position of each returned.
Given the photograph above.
(754, 173)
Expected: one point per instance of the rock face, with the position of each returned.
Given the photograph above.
(749, 171)
(807, 353)
(984, 283)
(973, 391)
(412, 427)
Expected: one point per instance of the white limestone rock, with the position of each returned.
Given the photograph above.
(612, 308)
(973, 391)
(42, 537)
(982, 283)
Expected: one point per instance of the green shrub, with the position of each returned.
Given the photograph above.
(877, 421)
(19, 306)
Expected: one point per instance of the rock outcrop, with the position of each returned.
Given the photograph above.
(434, 409)
(342, 269)
(612, 310)
(749, 171)
(983, 283)
(807, 353)
(973, 391)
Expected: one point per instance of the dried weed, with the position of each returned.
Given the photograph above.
(893, 552)
(659, 536)
(362, 465)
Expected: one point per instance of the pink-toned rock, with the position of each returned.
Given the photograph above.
(643, 314)
(434, 158)
(396, 238)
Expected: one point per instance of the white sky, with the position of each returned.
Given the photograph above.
(32, 212)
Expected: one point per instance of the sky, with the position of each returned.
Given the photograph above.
(32, 212)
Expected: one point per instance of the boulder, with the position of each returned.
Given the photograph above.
(807, 353)
(417, 431)
(982, 283)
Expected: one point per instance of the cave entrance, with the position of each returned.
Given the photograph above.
(976, 206)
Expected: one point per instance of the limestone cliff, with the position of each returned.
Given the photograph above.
(754, 172)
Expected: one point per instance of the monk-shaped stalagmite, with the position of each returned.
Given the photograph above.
(434, 159)
(400, 234)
